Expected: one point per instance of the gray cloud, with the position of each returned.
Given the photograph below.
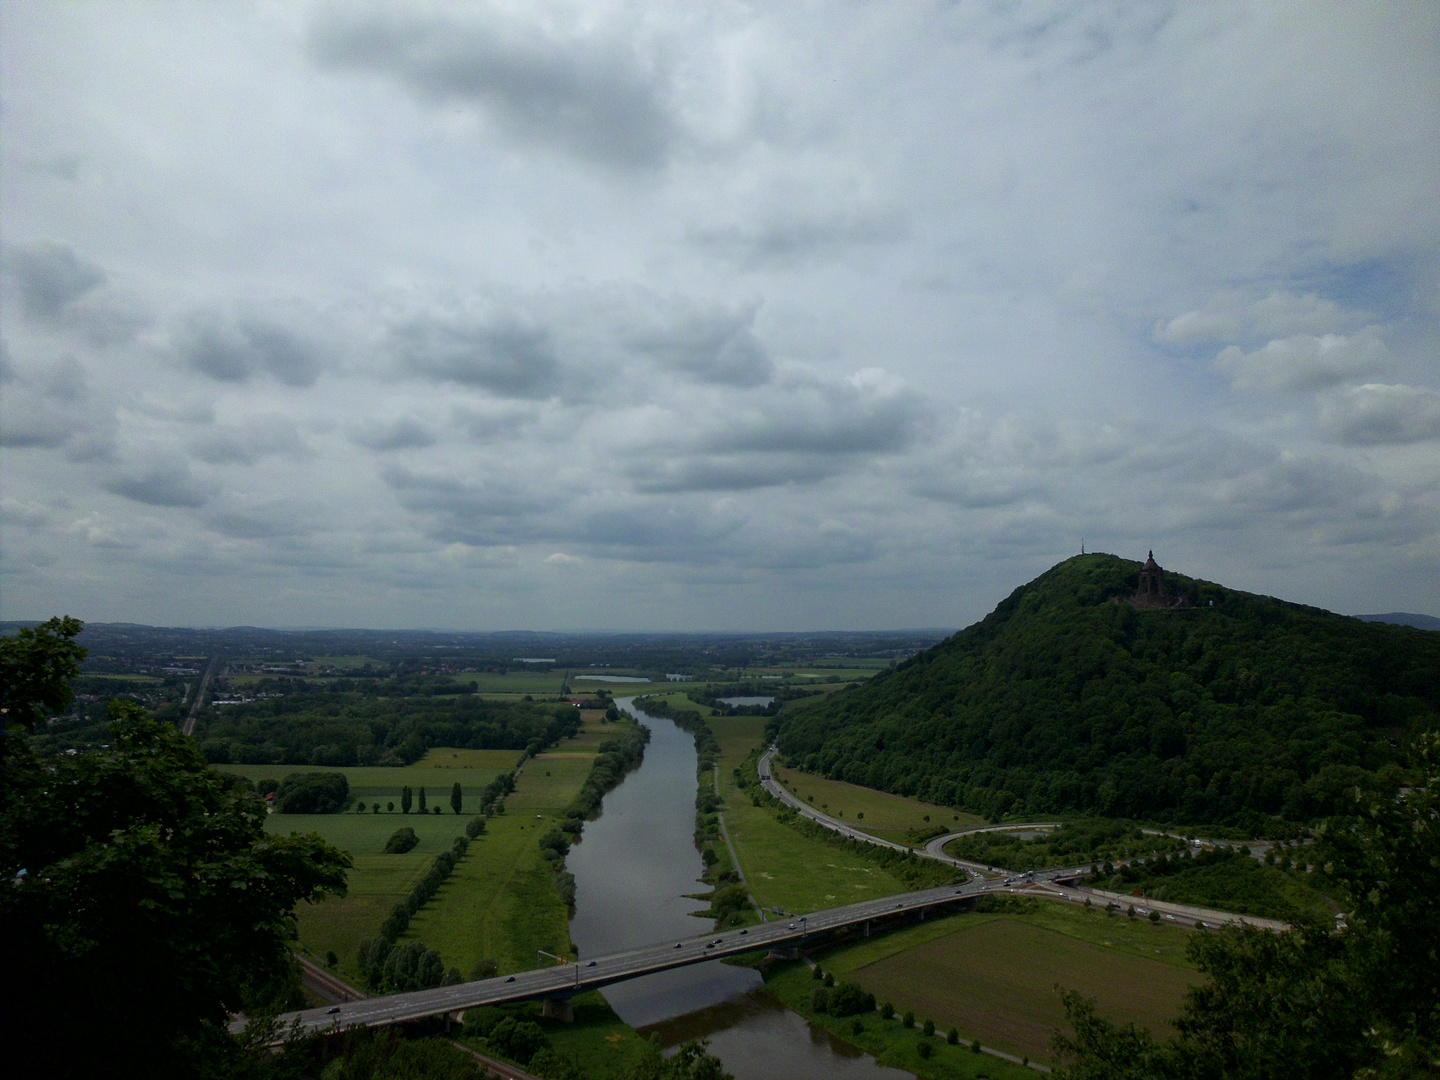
(714, 346)
(1376, 414)
(237, 350)
(506, 358)
(256, 524)
(1306, 362)
(159, 480)
(51, 407)
(403, 433)
(800, 232)
(60, 290)
(586, 96)
(479, 512)
(49, 279)
(799, 431)
(247, 442)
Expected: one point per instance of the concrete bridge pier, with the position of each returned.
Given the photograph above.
(558, 1008)
(867, 927)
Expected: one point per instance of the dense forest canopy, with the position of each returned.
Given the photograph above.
(298, 722)
(1232, 709)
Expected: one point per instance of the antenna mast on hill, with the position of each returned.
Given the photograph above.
(1082, 545)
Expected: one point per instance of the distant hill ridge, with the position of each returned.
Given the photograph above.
(1405, 618)
(1068, 697)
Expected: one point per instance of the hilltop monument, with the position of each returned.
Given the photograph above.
(1151, 591)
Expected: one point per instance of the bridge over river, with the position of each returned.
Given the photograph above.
(566, 980)
(558, 984)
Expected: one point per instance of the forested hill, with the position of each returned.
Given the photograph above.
(1061, 699)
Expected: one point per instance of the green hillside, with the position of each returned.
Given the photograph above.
(1234, 709)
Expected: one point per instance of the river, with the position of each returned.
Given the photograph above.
(633, 867)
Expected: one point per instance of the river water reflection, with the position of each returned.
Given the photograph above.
(632, 870)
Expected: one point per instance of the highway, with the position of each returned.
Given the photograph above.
(189, 726)
(566, 980)
(1031, 882)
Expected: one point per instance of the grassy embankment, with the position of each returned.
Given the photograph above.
(872, 811)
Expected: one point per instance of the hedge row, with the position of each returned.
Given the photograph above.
(388, 968)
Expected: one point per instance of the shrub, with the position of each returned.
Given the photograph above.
(908, 1020)
(929, 1028)
(924, 1049)
(847, 999)
(952, 1037)
(820, 999)
(520, 1041)
(401, 841)
(887, 1011)
(975, 1047)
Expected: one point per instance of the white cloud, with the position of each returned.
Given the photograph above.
(1228, 317)
(1306, 362)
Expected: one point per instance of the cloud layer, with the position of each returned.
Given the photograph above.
(612, 315)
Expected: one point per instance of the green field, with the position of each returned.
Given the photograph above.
(882, 811)
(888, 1040)
(500, 902)
(995, 977)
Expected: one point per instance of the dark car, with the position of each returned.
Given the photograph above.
(510, 979)
(590, 964)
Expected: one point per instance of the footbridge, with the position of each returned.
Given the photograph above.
(562, 982)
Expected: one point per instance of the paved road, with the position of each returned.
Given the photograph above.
(189, 726)
(1017, 881)
(569, 979)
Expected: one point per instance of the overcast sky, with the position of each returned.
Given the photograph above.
(712, 316)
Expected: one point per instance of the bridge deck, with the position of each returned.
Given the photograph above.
(570, 979)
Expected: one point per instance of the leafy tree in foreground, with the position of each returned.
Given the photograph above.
(1364, 1003)
(141, 899)
(36, 667)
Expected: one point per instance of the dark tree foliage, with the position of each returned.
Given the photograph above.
(312, 793)
(303, 723)
(386, 1055)
(1312, 1002)
(1063, 699)
(37, 666)
(401, 841)
(457, 798)
(142, 901)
